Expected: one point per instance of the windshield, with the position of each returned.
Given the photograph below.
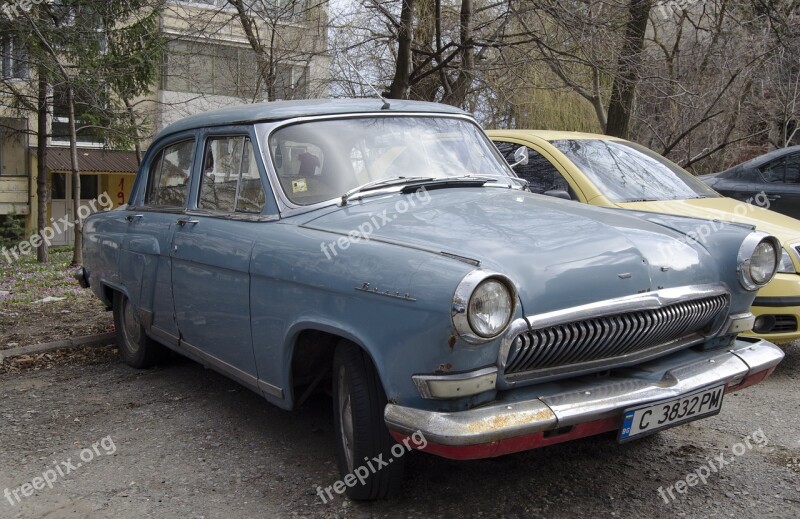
(321, 160)
(628, 172)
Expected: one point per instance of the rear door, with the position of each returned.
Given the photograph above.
(144, 263)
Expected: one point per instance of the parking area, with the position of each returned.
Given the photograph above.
(105, 440)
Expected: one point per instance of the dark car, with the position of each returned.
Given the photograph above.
(777, 174)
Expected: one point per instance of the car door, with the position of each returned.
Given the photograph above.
(211, 250)
(159, 198)
(787, 199)
(780, 181)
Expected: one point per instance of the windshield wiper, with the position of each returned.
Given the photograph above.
(436, 183)
(380, 184)
(642, 200)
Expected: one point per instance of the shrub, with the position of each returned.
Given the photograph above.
(12, 230)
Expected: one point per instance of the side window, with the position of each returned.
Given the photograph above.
(774, 171)
(168, 181)
(539, 172)
(793, 169)
(230, 180)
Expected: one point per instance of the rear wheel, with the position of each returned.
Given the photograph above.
(363, 443)
(136, 348)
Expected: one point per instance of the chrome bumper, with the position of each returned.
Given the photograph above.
(574, 402)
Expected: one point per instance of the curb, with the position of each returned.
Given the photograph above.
(101, 339)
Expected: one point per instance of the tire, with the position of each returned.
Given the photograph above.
(136, 348)
(358, 404)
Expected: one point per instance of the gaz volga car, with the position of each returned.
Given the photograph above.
(386, 250)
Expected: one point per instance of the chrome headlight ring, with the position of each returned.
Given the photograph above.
(758, 260)
(463, 301)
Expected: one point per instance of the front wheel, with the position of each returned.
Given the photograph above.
(363, 443)
(136, 348)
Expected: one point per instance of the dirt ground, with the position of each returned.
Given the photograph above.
(188, 443)
(80, 315)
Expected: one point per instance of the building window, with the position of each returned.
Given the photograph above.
(285, 10)
(15, 61)
(291, 82)
(88, 124)
(225, 70)
(201, 68)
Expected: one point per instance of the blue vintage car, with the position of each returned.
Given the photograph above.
(386, 251)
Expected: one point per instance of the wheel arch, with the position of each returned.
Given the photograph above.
(310, 347)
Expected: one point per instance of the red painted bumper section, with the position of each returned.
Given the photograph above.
(543, 439)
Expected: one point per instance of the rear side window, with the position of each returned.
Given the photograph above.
(230, 180)
(168, 181)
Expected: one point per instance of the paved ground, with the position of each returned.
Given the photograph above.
(180, 441)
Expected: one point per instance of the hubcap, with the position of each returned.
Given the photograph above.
(130, 327)
(346, 418)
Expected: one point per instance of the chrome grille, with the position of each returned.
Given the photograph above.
(604, 340)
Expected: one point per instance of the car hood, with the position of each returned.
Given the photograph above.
(785, 228)
(558, 253)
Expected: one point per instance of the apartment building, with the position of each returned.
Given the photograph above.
(208, 62)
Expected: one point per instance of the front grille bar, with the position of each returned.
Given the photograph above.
(602, 339)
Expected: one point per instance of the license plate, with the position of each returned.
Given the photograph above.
(641, 421)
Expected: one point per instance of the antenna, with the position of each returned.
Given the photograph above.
(386, 104)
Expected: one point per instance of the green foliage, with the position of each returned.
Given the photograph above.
(12, 230)
(26, 280)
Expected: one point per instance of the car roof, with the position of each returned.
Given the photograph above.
(280, 110)
(552, 135)
(763, 159)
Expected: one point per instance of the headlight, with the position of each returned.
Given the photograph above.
(483, 305)
(759, 258)
(786, 266)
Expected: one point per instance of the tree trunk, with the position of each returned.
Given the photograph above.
(41, 163)
(458, 95)
(137, 145)
(623, 90)
(399, 87)
(77, 255)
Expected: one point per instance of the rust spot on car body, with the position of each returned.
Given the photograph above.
(513, 420)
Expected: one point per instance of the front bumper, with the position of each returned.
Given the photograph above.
(537, 416)
(779, 304)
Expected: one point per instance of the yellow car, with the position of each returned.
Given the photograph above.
(611, 172)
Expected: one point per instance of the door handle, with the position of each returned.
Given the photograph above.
(186, 220)
(132, 217)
